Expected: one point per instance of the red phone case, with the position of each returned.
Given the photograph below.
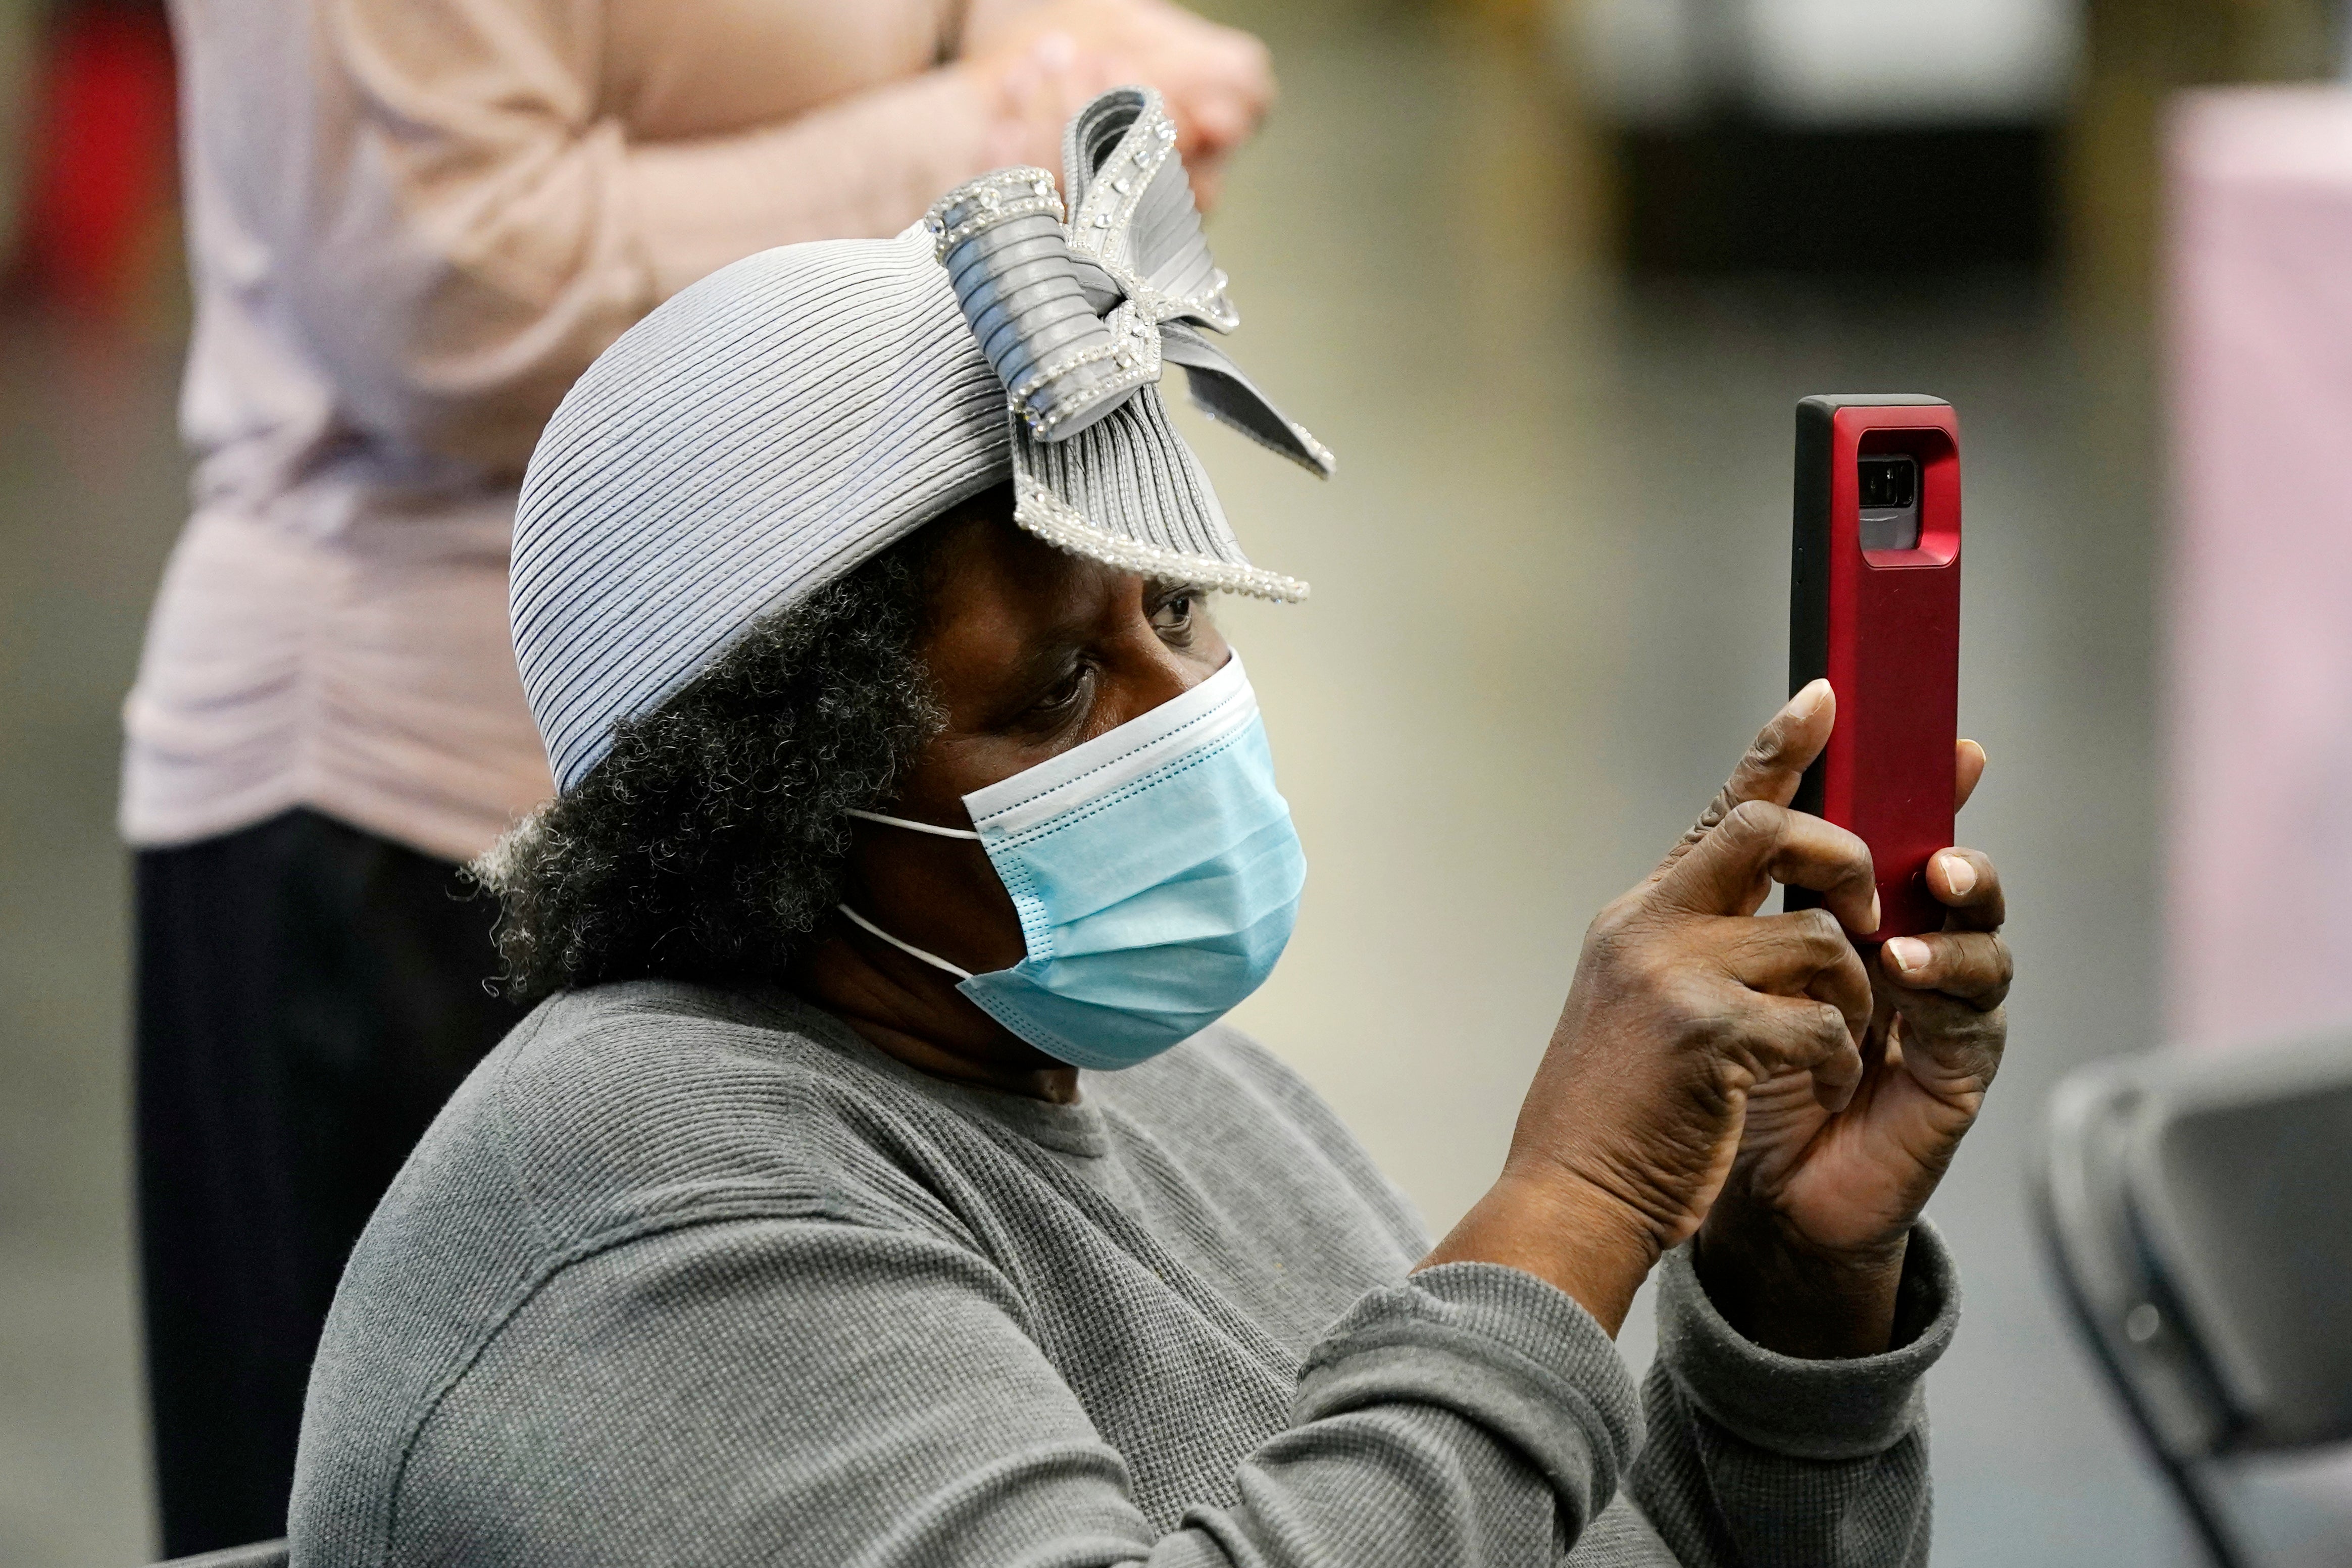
(1884, 626)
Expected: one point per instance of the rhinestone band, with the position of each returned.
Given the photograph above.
(1133, 349)
(1044, 514)
(1325, 458)
(992, 199)
(1099, 228)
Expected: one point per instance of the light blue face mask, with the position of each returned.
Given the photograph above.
(1155, 873)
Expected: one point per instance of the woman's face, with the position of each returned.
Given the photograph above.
(1033, 651)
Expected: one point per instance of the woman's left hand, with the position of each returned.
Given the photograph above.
(1047, 58)
(1803, 1251)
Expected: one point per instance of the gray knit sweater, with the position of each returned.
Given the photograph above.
(682, 1276)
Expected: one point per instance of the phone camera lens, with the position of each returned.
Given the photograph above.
(1889, 481)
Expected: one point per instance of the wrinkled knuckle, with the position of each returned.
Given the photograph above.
(1855, 862)
(1977, 966)
(1688, 1013)
(1752, 825)
(1823, 933)
(1614, 926)
(1973, 954)
(1801, 1039)
(1830, 1031)
(1802, 1031)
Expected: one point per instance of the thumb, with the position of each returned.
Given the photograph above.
(1773, 766)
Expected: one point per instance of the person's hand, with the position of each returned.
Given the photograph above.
(1684, 1003)
(1043, 63)
(1803, 1251)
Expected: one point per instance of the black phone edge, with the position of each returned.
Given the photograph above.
(1809, 569)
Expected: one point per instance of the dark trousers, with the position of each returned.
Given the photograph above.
(308, 996)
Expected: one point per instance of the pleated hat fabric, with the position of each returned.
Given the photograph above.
(1128, 490)
(758, 436)
(785, 420)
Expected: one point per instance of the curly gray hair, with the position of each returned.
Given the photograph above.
(709, 841)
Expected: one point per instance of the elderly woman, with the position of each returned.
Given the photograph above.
(412, 223)
(877, 1182)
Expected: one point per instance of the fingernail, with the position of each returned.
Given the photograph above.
(1807, 701)
(1958, 875)
(1909, 953)
(1875, 921)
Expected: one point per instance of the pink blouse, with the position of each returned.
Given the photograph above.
(413, 222)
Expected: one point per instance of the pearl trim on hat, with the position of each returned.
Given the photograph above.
(1044, 514)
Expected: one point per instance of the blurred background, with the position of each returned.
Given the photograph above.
(1548, 277)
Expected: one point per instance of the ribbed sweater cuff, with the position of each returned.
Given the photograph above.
(1504, 1351)
(1811, 1410)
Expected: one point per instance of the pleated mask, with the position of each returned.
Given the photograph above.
(1155, 873)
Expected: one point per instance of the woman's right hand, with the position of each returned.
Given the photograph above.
(1042, 63)
(1684, 998)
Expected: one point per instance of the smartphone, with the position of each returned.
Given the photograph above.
(1874, 605)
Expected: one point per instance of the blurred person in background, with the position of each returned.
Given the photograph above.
(878, 1184)
(413, 222)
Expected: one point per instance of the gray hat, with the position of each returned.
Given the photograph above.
(792, 415)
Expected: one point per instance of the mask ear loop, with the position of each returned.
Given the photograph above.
(931, 828)
(908, 948)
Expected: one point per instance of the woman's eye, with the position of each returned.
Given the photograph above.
(1174, 613)
(1066, 692)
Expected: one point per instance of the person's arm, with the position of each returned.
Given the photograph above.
(1754, 1081)
(487, 230)
(1755, 1087)
(1756, 1459)
(815, 1391)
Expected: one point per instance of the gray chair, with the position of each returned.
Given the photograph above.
(2198, 1212)
(260, 1554)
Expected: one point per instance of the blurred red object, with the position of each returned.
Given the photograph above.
(100, 182)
